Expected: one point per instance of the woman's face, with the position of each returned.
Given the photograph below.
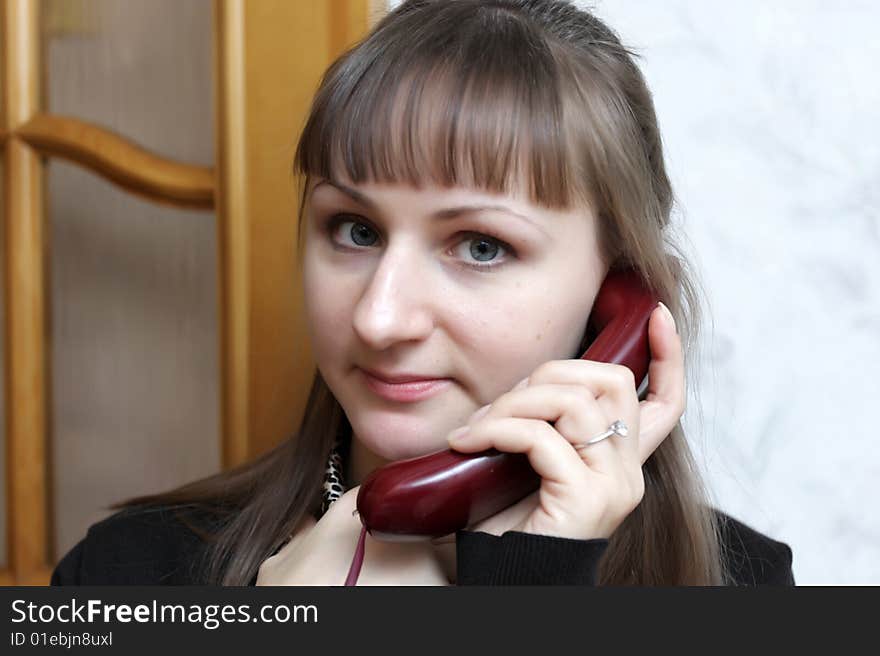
(399, 281)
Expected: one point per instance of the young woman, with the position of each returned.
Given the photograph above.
(473, 170)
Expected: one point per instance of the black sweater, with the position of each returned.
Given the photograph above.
(154, 547)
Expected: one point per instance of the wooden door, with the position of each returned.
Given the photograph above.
(267, 59)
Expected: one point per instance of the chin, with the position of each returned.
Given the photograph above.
(395, 437)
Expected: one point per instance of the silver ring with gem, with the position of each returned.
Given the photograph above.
(617, 428)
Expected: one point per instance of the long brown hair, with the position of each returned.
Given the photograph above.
(488, 94)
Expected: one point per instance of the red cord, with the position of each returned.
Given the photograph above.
(358, 560)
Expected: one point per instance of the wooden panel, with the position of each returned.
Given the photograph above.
(133, 284)
(349, 21)
(25, 312)
(40, 577)
(132, 67)
(270, 56)
(133, 296)
(121, 161)
(4, 492)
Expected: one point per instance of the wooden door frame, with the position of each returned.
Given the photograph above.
(270, 57)
(263, 90)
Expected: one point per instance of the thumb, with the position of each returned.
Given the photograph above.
(665, 397)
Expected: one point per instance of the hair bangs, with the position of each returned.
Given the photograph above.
(477, 104)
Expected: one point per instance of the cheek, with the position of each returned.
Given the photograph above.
(328, 306)
(516, 334)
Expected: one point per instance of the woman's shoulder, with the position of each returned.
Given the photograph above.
(753, 558)
(156, 545)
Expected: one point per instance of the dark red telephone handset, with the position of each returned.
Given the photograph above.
(441, 493)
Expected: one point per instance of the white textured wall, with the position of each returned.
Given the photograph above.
(769, 112)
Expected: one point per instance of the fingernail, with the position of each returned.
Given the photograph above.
(457, 434)
(668, 314)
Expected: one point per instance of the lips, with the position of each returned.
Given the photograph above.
(408, 389)
(401, 377)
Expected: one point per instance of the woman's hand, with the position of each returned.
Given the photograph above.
(585, 493)
(320, 553)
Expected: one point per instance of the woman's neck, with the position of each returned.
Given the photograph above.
(361, 461)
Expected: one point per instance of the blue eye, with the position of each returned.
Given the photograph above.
(360, 233)
(484, 251)
(482, 248)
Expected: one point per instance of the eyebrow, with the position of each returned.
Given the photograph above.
(445, 213)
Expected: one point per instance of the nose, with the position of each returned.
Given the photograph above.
(395, 305)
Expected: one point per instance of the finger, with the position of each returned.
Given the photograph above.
(549, 454)
(614, 388)
(601, 378)
(479, 412)
(612, 385)
(575, 413)
(665, 398)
